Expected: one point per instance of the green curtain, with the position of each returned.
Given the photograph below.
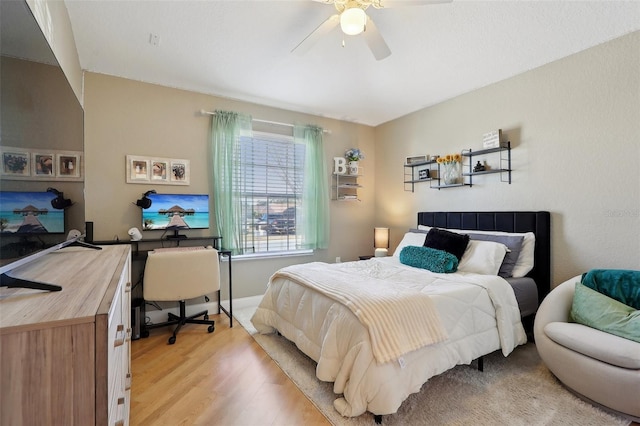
(226, 129)
(314, 218)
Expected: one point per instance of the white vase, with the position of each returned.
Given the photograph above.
(451, 173)
(353, 167)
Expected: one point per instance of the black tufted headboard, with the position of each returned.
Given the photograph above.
(537, 222)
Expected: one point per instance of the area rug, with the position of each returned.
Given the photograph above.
(517, 390)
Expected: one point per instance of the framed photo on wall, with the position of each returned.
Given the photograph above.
(16, 162)
(160, 170)
(43, 165)
(68, 165)
(156, 170)
(137, 169)
(180, 172)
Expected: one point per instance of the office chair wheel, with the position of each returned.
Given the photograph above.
(172, 340)
(210, 329)
(145, 334)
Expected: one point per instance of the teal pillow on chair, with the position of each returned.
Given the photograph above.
(620, 284)
(601, 312)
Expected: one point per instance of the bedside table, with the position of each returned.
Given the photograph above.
(365, 257)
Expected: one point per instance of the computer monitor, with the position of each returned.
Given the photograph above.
(29, 213)
(176, 212)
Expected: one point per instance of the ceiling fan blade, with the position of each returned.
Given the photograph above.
(401, 3)
(375, 41)
(316, 34)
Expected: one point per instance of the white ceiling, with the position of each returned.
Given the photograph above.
(241, 49)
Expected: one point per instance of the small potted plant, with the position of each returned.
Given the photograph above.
(353, 156)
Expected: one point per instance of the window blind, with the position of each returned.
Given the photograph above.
(270, 179)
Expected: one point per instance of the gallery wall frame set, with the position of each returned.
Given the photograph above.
(41, 164)
(156, 170)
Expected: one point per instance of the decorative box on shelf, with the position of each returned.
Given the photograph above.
(493, 140)
(416, 159)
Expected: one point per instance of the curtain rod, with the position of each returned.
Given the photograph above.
(277, 123)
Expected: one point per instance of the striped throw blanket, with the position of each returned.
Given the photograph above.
(399, 320)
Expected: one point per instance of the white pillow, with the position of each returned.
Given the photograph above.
(525, 261)
(482, 257)
(410, 239)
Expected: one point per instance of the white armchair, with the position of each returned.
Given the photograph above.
(598, 366)
(179, 274)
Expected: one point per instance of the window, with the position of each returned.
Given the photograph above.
(270, 175)
(270, 191)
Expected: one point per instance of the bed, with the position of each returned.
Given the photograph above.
(373, 362)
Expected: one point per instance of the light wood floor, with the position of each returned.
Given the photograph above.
(223, 378)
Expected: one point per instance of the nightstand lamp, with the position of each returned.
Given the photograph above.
(381, 241)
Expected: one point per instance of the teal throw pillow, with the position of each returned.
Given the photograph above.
(620, 284)
(429, 258)
(601, 312)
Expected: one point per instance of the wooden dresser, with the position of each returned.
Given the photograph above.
(65, 356)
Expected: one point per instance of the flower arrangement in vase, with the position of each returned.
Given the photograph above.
(353, 156)
(450, 164)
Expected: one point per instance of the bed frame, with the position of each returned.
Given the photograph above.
(507, 221)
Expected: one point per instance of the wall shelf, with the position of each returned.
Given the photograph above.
(504, 168)
(485, 172)
(345, 187)
(413, 171)
(455, 185)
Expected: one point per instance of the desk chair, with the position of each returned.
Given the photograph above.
(178, 274)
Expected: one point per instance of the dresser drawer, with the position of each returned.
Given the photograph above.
(116, 392)
(113, 354)
(119, 352)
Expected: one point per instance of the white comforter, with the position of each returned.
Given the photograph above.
(479, 313)
(398, 318)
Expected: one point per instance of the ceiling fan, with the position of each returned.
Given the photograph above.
(353, 20)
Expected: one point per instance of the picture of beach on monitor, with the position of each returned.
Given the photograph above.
(176, 211)
(29, 213)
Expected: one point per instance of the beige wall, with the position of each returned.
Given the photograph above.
(38, 111)
(53, 19)
(575, 130)
(125, 117)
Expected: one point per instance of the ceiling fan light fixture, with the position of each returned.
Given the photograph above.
(353, 20)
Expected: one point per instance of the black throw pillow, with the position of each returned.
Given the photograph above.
(448, 241)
